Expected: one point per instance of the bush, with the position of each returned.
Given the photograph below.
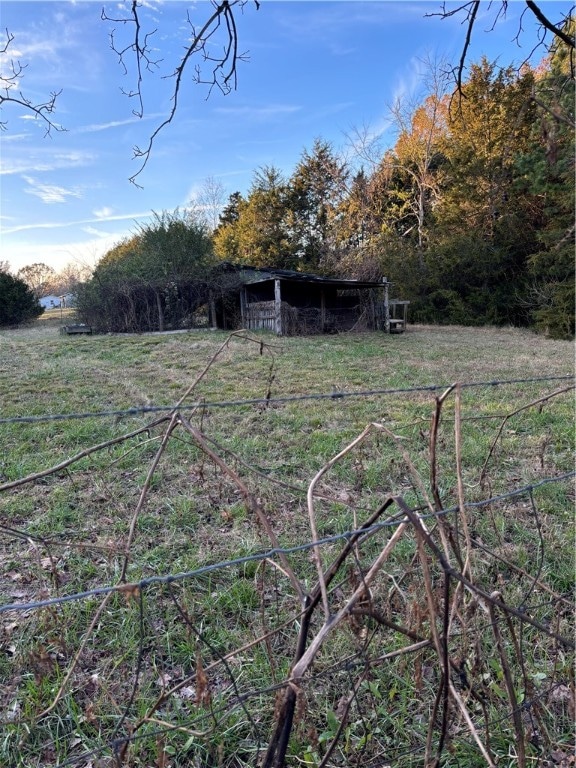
(18, 304)
(154, 281)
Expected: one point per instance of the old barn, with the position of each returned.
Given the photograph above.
(294, 303)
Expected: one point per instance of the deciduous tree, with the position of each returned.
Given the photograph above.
(38, 277)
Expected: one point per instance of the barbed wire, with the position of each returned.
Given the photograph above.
(138, 410)
(270, 553)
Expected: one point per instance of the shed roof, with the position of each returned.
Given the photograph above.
(263, 274)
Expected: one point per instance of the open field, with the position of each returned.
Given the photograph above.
(401, 653)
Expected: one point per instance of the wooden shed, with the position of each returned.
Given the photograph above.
(294, 303)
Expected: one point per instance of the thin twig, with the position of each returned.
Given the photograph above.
(539, 401)
(311, 514)
(509, 683)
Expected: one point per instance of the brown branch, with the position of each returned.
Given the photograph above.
(223, 74)
(11, 80)
(144, 494)
(241, 334)
(509, 683)
(519, 614)
(300, 668)
(547, 24)
(311, 514)
(539, 401)
(252, 503)
(87, 452)
(95, 619)
(471, 20)
(433, 443)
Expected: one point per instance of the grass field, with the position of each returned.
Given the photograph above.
(380, 648)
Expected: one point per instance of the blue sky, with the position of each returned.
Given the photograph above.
(316, 69)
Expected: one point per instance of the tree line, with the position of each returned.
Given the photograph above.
(470, 214)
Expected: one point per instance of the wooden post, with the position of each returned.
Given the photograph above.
(243, 306)
(160, 310)
(277, 308)
(386, 306)
(212, 311)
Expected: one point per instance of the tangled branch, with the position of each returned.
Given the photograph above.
(215, 70)
(469, 11)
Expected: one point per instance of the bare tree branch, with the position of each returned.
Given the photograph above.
(12, 95)
(471, 9)
(547, 24)
(221, 67)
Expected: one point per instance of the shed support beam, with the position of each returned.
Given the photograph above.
(243, 305)
(277, 308)
(386, 306)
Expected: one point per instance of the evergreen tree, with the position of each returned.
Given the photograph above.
(316, 190)
(260, 235)
(546, 173)
(225, 238)
(18, 303)
(484, 230)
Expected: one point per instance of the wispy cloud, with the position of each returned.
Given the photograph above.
(50, 193)
(64, 224)
(28, 46)
(103, 213)
(45, 162)
(407, 90)
(97, 127)
(329, 26)
(96, 232)
(14, 137)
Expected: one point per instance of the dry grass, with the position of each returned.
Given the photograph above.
(75, 673)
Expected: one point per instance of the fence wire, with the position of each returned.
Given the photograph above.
(193, 406)
(269, 554)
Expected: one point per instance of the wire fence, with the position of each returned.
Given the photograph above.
(256, 557)
(192, 406)
(395, 609)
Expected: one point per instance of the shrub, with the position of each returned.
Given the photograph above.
(18, 304)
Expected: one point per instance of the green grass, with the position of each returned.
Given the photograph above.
(67, 531)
